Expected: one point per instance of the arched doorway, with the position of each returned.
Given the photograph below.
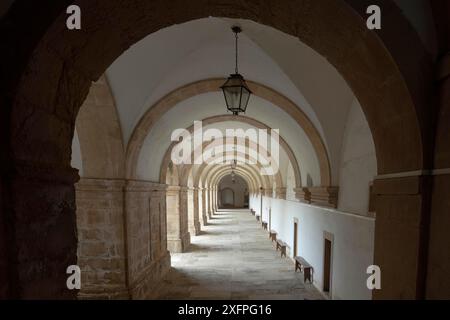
(232, 190)
(227, 198)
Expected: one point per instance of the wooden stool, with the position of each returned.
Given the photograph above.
(302, 264)
(282, 246)
(273, 235)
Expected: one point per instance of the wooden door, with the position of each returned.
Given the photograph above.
(295, 239)
(327, 266)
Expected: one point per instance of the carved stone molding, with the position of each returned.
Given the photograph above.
(324, 196)
(303, 195)
(113, 185)
(281, 193)
(144, 186)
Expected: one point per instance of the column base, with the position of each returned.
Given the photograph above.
(112, 293)
(145, 286)
(205, 220)
(179, 245)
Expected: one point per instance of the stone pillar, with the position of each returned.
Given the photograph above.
(217, 199)
(4, 270)
(401, 235)
(211, 204)
(216, 203)
(193, 218)
(204, 209)
(178, 237)
(197, 203)
(208, 202)
(101, 239)
(146, 229)
(438, 279)
(40, 228)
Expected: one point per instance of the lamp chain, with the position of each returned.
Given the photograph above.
(236, 70)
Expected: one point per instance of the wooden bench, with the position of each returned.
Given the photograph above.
(273, 235)
(302, 265)
(264, 225)
(281, 245)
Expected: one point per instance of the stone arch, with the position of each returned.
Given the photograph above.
(234, 198)
(213, 85)
(259, 179)
(204, 172)
(216, 175)
(104, 156)
(243, 119)
(203, 166)
(172, 176)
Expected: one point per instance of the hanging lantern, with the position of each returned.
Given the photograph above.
(235, 89)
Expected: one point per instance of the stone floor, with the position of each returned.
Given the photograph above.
(234, 258)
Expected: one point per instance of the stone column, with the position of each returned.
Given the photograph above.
(208, 202)
(146, 229)
(197, 209)
(400, 235)
(193, 218)
(216, 204)
(101, 239)
(38, 208)
(438, 279)
(216, 194)
(204, 209)
(178, 238)
(211, 204)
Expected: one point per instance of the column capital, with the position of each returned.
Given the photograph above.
(144, 186)
(184, 189)
(303, 195)
(324, 196)
(410, 185)
(26, 170)
(281, 193)
(107, 185)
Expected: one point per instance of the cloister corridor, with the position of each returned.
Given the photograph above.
(233, 258)
(131, 141)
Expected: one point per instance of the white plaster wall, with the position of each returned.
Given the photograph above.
(76, 161)
(358, 163)
(352, 249)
